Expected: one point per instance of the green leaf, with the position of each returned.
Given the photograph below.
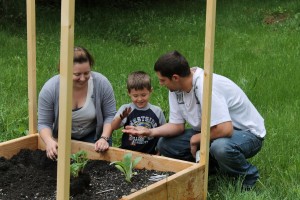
(136, 161)
(126, 165)
(119, 167)
(79, 161)
(127, 159)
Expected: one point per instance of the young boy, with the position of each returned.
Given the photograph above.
(139, 113)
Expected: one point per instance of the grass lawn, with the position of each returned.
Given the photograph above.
(257, 46)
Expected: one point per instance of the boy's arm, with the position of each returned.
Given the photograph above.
(119, 118)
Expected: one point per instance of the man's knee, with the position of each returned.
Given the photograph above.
(220, 148)
(159, 145)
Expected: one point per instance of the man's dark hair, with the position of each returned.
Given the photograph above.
(172, 63)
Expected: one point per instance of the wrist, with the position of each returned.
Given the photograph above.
(104, 138)
(151, 132)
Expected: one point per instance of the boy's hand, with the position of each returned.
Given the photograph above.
(125, 113)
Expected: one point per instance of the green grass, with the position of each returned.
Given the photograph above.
(262, 58)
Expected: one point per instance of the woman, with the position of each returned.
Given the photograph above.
(94, 106)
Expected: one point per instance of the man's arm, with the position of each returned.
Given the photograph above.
(165, 130)
(224, 129)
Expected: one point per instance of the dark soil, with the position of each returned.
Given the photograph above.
(31, 175)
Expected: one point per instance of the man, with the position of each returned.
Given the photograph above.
(237, 129)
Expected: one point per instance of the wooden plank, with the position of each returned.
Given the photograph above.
(182, 185)
(65, 99)
(150, 162)
(207, 90)
(12, 147)
(31, 63)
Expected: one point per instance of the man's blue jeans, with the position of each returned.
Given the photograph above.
(229, 155)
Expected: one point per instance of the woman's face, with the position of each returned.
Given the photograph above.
(81, 74)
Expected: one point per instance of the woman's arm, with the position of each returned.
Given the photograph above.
(51, 143)
(102, 143)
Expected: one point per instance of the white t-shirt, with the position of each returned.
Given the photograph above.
(229, 103)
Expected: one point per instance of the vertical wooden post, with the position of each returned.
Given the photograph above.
(31, 65)
(207, 88)
(65, 99)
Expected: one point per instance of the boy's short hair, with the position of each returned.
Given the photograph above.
(138, 80)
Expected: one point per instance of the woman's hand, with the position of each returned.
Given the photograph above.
(51, 149)
(50, 142)
(101, 145)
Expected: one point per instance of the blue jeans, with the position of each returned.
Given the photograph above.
(229, 155)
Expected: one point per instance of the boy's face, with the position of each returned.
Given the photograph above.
(140, 97)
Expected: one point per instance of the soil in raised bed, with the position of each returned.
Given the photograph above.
(31, 175)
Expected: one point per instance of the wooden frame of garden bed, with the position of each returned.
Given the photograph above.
(183, 184)
(190, 180)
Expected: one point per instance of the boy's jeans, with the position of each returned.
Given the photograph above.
(229, 154)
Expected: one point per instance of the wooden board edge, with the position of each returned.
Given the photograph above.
(149, 162)
(12, 147)
(182, 185)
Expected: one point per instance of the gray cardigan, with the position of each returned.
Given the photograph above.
(103, 98)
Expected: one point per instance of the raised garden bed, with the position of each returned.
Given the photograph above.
(185, 183)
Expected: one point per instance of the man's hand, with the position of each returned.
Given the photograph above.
(195, 143)
(137, 130)
(125, 113)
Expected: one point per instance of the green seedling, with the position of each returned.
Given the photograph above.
(78, 162)
(127, 165)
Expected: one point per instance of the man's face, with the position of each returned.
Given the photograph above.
(171, 84)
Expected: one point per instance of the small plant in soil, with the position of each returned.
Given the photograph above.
(78, 162)
(79, 180)
(127, 165)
